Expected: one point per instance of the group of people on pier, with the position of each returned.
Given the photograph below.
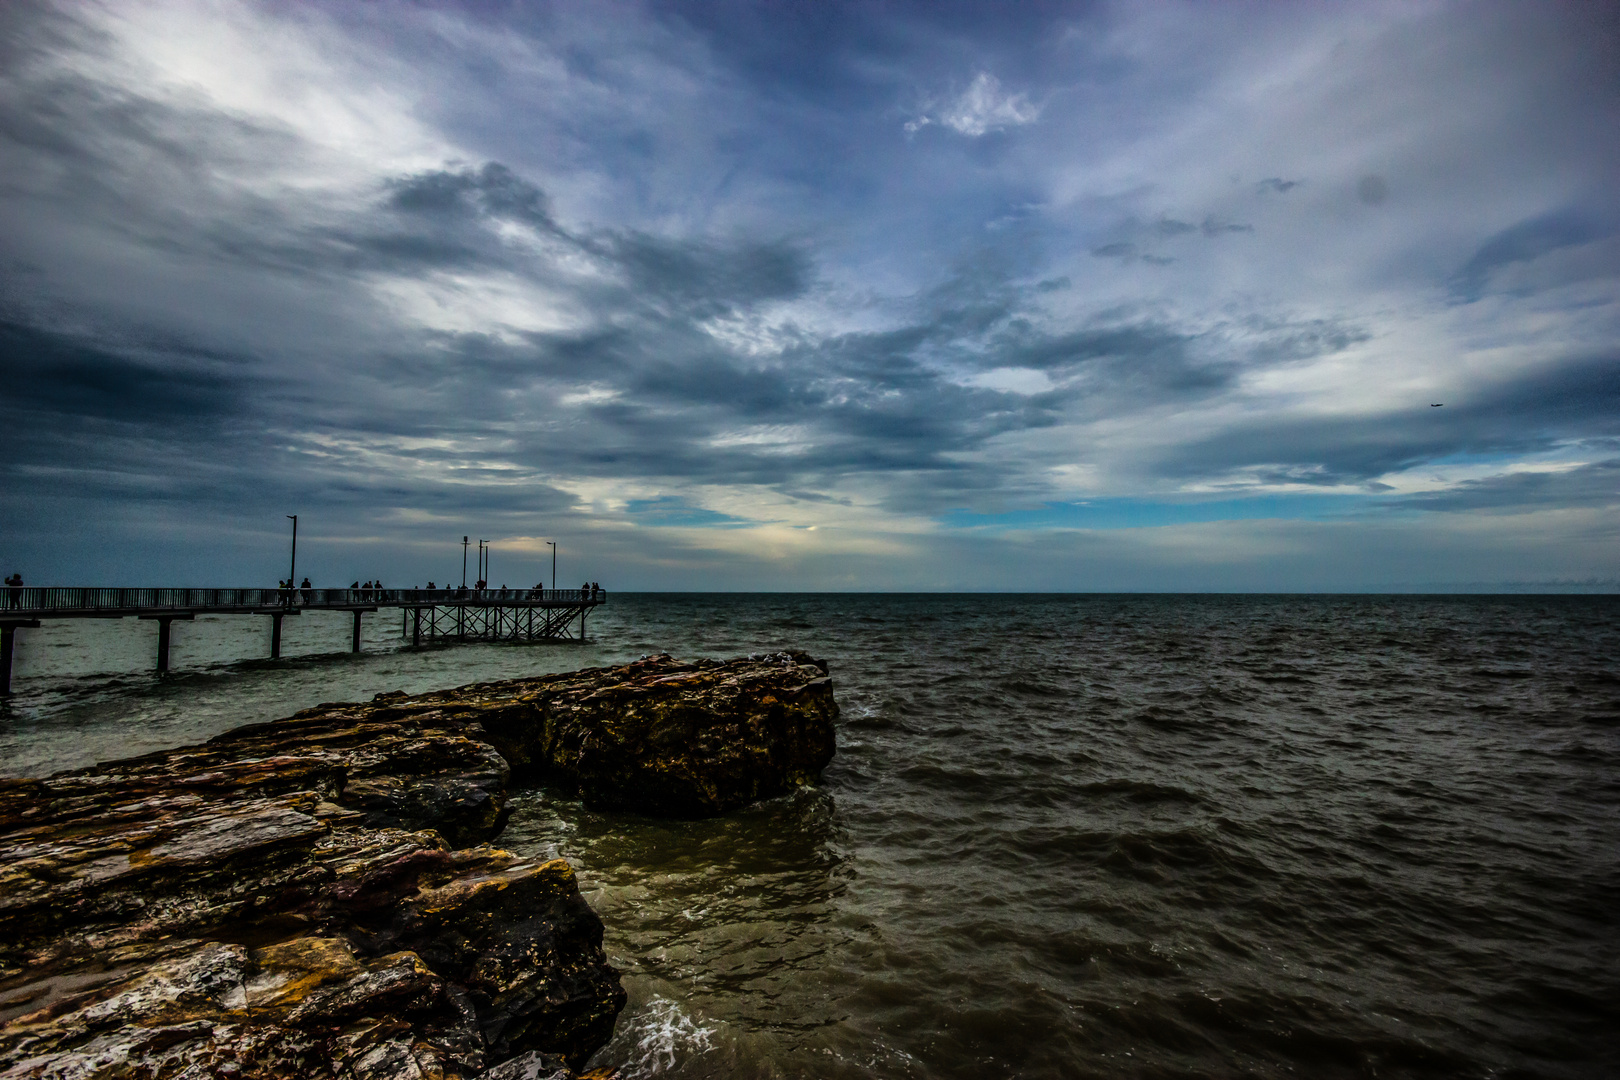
(372, 591)
(288, 592)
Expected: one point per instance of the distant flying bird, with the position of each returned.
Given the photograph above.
(1437, 404)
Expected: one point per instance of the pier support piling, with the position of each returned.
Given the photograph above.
(275, 636)
(8, 638)
(355, 645)
(416, 626)
(163, 622)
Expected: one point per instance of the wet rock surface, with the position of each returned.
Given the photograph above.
(317, 896)
(661, 736)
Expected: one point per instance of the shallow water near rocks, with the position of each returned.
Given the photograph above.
(1063, 836)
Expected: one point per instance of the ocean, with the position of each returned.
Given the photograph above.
(1064, 836)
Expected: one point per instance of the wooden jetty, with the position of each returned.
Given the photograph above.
(427, 614)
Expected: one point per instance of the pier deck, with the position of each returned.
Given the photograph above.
(434, 614)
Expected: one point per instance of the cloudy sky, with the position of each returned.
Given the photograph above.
(776, 295)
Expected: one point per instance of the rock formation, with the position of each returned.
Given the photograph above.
(316, 896)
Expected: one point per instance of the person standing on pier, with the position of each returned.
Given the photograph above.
(309, 593)
(14, 590)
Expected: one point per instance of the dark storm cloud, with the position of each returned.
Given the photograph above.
(51, 378)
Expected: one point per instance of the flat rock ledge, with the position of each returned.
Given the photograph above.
(317, 896)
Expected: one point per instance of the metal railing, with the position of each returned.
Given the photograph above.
(35, 600)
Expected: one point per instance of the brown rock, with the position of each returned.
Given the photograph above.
(664, 737)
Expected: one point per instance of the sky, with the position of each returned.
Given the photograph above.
(770, 296)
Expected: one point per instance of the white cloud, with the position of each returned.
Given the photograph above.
(982, 108)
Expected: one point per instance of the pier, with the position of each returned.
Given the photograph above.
(427, 615)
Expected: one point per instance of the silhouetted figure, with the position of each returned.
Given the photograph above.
(14, 590)
(309, 593)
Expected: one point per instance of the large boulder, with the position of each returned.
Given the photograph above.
(661, 736)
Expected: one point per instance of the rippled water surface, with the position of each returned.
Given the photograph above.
(1063, 836)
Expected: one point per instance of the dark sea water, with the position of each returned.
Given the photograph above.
(1064, 836)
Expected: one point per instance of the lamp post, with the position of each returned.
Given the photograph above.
(483, 562)
(553, 544)
(464, 543)
(292, 571)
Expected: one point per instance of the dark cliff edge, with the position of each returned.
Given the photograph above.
(318, 897)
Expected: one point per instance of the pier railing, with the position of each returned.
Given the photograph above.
(34, 601)
(436, 614)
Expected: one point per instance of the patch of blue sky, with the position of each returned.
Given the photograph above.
(1508, 456)
(675, 512)
(1127, 513)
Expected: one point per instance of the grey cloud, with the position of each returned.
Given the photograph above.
(493, 191)
(1595, 484)
(1128, 252)
(813, 496)
(60, 376)
(1275, 184)
(1533, 412)
(1372, 189)
(1524, 242)
(715, 277)
(1167, 228)
(1284, 342)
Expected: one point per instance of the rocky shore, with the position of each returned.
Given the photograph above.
(318, 896)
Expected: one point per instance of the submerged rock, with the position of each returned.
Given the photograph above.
(316, 896)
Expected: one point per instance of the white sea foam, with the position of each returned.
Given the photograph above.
(664, 1035)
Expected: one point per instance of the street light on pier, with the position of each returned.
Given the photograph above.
(553, 544)
(464, 542)
(292, 571)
